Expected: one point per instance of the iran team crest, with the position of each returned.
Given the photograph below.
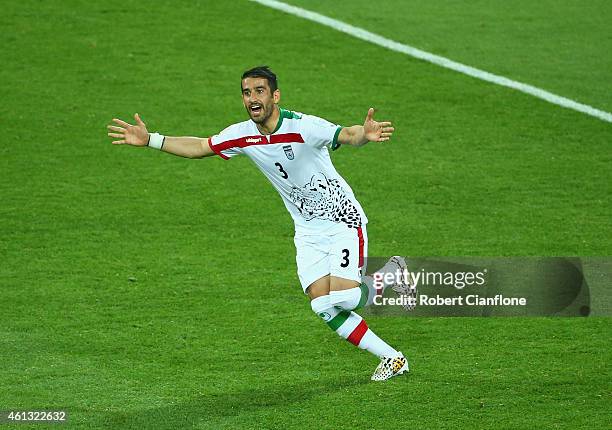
(288, 152)
(326, 317)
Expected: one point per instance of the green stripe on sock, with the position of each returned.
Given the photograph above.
(338, 320)
(365, 291)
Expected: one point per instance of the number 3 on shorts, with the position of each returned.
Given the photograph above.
(345, 258)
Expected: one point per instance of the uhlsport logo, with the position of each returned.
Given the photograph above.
(253, 140)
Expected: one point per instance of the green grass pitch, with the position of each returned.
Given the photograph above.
(141, 290)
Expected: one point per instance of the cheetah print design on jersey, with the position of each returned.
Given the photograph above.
(324, 198)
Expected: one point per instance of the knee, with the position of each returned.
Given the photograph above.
(321, 306)
(327, 312)
(349, 299)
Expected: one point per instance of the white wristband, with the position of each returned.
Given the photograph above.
(156, 140)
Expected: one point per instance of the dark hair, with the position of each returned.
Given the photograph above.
(261, 72)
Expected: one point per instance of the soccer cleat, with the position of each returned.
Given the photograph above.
(390, 367)
(404, 287)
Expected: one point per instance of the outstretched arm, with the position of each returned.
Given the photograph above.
(137, 135)
(370, 131)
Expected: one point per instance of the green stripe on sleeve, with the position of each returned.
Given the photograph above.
(338, 320)
(335, 144)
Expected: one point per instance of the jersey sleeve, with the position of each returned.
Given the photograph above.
(223, 144)
(319, 132)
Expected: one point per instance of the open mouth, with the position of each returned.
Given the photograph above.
(256, 108)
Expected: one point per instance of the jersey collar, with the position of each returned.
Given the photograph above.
(284, 113)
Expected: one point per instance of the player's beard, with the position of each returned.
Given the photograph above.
(266, 112)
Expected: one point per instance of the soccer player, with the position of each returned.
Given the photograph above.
(293, 151)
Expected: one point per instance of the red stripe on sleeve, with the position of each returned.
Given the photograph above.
(357, 334)
(216, 149)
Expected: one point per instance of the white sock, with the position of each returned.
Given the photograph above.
(347, 299)
(368, 282)
(351, 326)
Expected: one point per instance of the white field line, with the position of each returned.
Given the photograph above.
(362, 34)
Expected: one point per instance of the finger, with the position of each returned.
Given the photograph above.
(385, 134)
(385, 124)
(382, 139)
(118, 142)
(370, 115)
(117, 135)
(138, 120)
(114, 128)
(121, 123)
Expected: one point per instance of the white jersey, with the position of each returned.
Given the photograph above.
(295, 158)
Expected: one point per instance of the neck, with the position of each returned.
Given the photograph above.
(269, 125)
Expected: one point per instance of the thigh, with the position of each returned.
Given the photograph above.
(312, 259)
(347, 258)
(339, 284)
(319, 288)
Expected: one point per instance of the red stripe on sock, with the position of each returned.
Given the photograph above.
(357, 334)
(360, 235)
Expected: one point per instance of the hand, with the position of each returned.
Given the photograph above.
(376, 131)
(128, 134)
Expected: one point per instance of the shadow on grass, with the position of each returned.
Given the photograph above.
(203, 408)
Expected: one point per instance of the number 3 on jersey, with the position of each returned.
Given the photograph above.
(284, 174)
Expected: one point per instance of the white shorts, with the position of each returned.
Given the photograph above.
(342, 254)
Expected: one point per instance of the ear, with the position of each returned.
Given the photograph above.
(276, 95)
